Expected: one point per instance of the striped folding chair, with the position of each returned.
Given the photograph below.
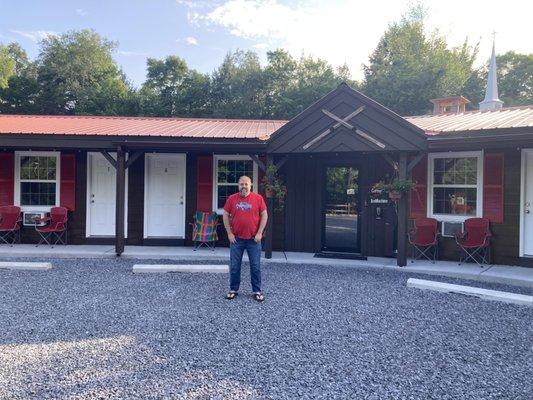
(204, 229)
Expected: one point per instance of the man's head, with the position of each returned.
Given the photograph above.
(245, 186)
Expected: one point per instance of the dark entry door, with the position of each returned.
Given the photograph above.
(342, 230)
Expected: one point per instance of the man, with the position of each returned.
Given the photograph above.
(248, 214)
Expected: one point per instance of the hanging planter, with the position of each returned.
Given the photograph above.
(395, 195)
(396, 189)
(274, 187)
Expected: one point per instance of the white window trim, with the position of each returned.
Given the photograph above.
(456, 154)
(18, 155)
(218, 157)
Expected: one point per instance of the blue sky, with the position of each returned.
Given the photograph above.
(202, 32)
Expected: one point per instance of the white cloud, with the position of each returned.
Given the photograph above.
(347, 31)
(35, 36)
(260, 46)
(81, 12)
(192, 41)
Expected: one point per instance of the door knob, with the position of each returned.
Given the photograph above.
(527, 211)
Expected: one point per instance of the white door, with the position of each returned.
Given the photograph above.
(101, 196)
(527, 238)
(164, 208)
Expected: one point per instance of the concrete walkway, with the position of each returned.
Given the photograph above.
(513, 275)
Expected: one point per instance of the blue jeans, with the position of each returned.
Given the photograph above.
(254, 255)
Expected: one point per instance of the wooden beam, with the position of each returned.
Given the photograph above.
(120, 201)
(260, 163)
(391, 161)
(358, 131)
(109, 158)
(270, 221)
(401, 257)
(132, 158)
(338, 124)
(415, 161)
(365, 135)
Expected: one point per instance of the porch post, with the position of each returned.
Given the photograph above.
(401, 258)
(270, 222)
(119, 206)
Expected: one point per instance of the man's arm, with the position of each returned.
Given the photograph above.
(262, 225)
(225, 218)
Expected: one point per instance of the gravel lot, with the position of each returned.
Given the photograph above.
(93, 329)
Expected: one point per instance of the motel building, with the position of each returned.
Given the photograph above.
(139, 181)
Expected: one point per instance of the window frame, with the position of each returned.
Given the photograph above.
(479, 185)
(226, 157)
(18, 181)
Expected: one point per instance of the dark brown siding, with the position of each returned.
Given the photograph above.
(136, 202)
(304, 176)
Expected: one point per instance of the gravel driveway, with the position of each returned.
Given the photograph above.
(93, 329)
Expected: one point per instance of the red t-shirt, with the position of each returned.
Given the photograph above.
(245, 214)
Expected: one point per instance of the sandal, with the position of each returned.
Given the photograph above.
(231, 295)
(260, 297)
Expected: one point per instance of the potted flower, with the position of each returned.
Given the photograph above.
(396, 188)
(273, 186)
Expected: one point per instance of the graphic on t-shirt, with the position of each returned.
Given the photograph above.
(243, 206)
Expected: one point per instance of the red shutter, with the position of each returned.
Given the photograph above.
(67, 197)
(204, 199)
(7, 179)
(419, 175)
(493, 187)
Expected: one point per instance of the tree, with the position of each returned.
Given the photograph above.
(515, 78)
(172, 89)
(7, 66)
(19, 96)
(409, 67)
(237, 87)
(77, 75)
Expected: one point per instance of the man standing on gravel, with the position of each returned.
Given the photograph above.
(245, 217)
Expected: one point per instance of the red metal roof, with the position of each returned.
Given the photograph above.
(512, 117)
(139, 126)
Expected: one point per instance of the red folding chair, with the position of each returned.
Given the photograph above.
(474, 242)
(10, 220)
(56, 228)
(424, 239)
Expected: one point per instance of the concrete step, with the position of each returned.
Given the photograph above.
(28, 266)
(485, 294)
(163, 268)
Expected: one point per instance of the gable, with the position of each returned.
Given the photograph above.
(389, 131)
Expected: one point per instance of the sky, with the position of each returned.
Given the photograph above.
(202, 32)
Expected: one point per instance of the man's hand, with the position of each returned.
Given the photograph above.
(258, 237)
(231, 238)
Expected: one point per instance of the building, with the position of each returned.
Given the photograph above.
(140, 180)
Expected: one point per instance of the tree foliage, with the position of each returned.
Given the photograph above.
(75, 73)
(409, 67)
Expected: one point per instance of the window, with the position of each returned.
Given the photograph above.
(455, 185)
(228, 170)
(37, 179)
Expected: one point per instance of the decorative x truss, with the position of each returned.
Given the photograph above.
(344, 122)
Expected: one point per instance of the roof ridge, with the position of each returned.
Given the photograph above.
(524, 107)
(126, 117)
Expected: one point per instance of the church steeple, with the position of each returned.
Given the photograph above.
(491, 101)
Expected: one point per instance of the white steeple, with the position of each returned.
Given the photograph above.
(491, 102)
